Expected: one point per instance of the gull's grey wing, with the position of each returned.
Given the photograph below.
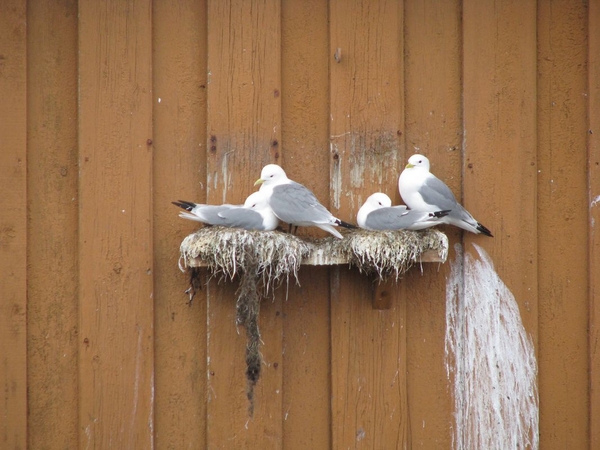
(202, 213)
(295, 204)
(435, 192)
(210, 213)
(391, 218)
(245, 218)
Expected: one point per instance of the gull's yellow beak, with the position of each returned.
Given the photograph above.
(259, 181)
(409, 166)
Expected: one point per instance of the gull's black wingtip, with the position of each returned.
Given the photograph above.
(484, 230)
(341, 223)
(440, 214)
(188, 206)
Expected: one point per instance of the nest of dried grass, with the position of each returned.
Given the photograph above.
(263, 260)
(391, 253)
(229, 251)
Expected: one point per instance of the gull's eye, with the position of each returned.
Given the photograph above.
(420, 161)
(380, 203)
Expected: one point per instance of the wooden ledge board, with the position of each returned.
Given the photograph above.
(319, 258)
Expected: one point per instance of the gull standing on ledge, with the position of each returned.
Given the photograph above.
(423, 191)
(254, 214)
(295, 204)
(377, 213)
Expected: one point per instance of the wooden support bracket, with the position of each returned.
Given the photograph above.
(382, 294)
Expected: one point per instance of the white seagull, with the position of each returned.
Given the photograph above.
(254, 214)
(423, 191)
(294, 203)
(377, 213)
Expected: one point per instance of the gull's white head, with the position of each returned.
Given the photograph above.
(258, 203)
(375, 201)
(418, 161)
(378, 200)
(256, 200)
(271, 174)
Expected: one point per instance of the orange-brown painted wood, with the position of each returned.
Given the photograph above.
(500, 156)
(52, 165)
(179, 168)
(593, 111)
(116, 309)
(368, 360)
(305, 138)
(13, 225)
(244, 133)
(502, 98)
(433, 127)
(562, 234)
(306, 355)
(500, 142)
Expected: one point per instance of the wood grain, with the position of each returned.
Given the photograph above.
(368, 363)
(13, 225)
(593, 111)
(500, 165)
(244, 133)
(305, 309)
(52, 309)
(500, 142)
(433, 127)
(179, 148)
(116, 337)
(111, 110)
(562, 187)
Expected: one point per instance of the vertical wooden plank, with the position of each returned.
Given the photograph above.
(433, 127)
(499, 178)
(53, 225)
(305, 133)
(306, 350)
(369, 395)
(179, 147)
(593, 111)
(563, 202)
(115, 213)
(13, 224)
(500, 140)
(244, 133)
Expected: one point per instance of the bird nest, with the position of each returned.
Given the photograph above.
(263, 260)
(390, 253)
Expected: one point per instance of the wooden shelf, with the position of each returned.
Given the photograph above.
(431, 245)
(319, 258)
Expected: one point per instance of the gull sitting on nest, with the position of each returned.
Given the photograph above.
(377, 213)
(254, 214)
(295, 204)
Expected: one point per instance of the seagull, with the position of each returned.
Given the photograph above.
(423, 191)
(208, 214)
(254, 214)
(377, 213)
(294, 203)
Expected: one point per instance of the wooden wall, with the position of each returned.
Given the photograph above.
(111, 110)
